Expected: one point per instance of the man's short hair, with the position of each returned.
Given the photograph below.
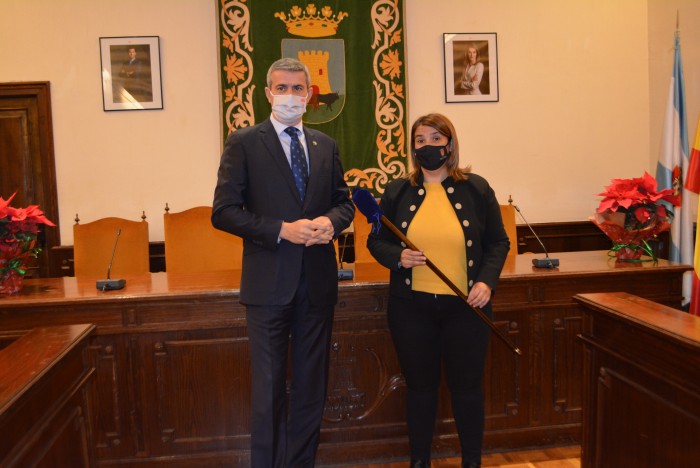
(290, 65)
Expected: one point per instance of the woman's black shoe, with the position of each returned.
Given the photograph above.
(420, 464)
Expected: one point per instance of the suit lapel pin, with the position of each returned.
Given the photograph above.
(314, 143)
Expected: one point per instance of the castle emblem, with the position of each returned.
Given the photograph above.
(322, 54)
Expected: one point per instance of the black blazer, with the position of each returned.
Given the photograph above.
(255, 193)
(478, 212)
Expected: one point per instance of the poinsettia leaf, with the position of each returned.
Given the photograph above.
(19, 228)
(639, 201)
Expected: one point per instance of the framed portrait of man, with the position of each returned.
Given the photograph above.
(131, 73)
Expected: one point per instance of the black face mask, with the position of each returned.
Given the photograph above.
(431, 157)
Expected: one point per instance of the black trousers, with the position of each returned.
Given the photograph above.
(430, 331)
(286, 433)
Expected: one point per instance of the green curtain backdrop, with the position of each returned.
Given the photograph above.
(355, 52)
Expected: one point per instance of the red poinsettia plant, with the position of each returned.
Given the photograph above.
(632, 212)
(19, 228)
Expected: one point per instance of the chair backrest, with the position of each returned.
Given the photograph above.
(508, 215)
(94, 242)
(193, 244)
(361, 232)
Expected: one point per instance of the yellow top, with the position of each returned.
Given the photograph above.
(436, 230)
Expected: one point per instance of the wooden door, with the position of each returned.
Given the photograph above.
(27, 159)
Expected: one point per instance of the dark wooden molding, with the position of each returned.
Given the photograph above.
(571, 236)
(44, 412)
(574, 236)
(61, 259)
(641, 386)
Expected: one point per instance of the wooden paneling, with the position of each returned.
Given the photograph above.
(575, 236)
(558, 237)
(61, 261)
(44, 413)
(172, 380)
(642, 383)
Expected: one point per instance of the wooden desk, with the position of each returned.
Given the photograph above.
(172, 377)
(43, 399)
(641, 385)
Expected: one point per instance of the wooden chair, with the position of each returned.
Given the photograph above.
(93, 245)
(508, 215)
(193, 244)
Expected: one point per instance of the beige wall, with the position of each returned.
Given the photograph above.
(121, 163)
(581, 100)
(573, 92)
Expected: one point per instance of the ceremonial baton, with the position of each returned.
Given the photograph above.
(369, 207)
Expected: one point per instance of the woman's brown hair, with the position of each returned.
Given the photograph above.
(443, 125)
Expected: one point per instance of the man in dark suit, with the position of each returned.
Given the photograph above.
(281, 188)
(135, 77)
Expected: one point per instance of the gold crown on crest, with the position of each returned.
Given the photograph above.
(310, 22)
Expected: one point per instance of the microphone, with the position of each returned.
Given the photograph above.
(545, 262)
(343, 273)
(110, 284)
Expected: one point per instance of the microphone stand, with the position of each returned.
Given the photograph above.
(545, 262)
(389, 225)
(343, 273)
(109, 284)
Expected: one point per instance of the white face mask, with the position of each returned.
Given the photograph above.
(288, 108)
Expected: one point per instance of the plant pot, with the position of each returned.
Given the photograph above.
(628, 244)
(628, 254)
(11, 282)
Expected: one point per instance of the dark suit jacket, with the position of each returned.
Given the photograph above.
(255, 192)
(477, 209)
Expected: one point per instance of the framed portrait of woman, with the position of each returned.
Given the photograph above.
(471, 67)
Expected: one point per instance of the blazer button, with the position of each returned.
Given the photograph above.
(465, 223)
(469, 243)
(421, 192)
(408, 281)
(458, 206)
(412, 208)
(404, 224)
(450, 190)
(471, 263)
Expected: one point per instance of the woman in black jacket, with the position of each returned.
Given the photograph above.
(453, 215)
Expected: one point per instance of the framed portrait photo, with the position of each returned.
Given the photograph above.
(131, 73)
(471, 67)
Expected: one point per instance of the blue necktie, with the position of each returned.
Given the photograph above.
(299, 167)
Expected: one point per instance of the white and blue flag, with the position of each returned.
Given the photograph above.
(672, 167)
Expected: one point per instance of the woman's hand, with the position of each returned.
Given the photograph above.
(480, 295)
(411, 258)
